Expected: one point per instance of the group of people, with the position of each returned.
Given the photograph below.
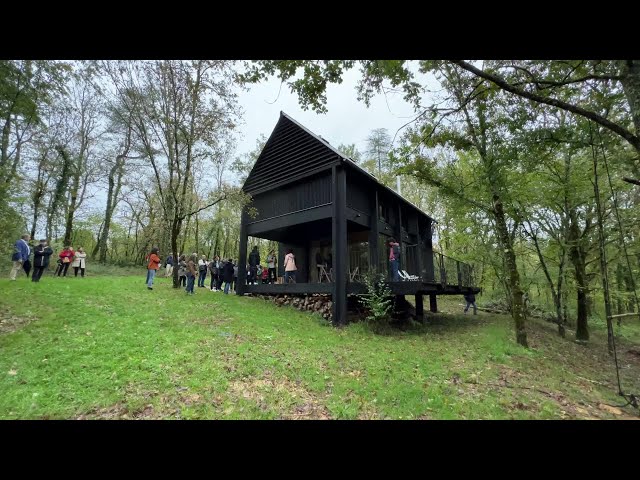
(220, 271)
(41, 255)
(267, 274)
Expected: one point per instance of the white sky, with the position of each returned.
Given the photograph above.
(347, 120)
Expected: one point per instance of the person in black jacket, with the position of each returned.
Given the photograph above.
(470, 298)
(41, 254)
(254, 261)
(227, 275)
(26, 266)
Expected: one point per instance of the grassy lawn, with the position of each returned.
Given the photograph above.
(106, 347)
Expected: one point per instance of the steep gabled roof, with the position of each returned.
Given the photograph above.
(293, 151)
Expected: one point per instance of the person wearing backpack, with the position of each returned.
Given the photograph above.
(470, 298)
(203, 266)
(394, 259)
(26, 266)
(41, 254)
(214, 267)
(20, 255)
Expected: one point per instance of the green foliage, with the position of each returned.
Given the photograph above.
(378, 300)
(11, 228)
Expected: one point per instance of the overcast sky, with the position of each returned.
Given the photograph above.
(347, 120)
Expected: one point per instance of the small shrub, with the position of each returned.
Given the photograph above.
(378, 299)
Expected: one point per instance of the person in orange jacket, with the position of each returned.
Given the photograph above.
(152, 268)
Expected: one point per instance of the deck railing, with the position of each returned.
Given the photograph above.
(449, 271)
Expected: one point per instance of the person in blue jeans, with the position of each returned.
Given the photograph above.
(394, 259)
(203, 266)
(191, 273)
(227, 275)
(470, 298)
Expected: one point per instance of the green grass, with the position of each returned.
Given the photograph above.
(106, 347)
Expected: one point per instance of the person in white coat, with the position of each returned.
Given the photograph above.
(79, 261)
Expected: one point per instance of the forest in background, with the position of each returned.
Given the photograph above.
(520, 162)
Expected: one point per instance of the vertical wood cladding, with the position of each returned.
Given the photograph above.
(312, 192)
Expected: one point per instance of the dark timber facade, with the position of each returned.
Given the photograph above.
(309, 197)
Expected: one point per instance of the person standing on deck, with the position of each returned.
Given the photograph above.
(289, 267)
(394, 259)
(271, 264)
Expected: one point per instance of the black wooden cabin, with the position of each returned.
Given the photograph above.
(310, 197)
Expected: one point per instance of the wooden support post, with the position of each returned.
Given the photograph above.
(433, 304)
(340, 247)
(374, 235)
(419, 307)
(421, 270)
(399, 238)
(242, 254)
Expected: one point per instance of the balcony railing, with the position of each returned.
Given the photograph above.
(449, 271)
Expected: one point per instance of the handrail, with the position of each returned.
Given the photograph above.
(450, 271)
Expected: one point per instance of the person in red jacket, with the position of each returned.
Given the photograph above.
(152, 268)
(66, 257)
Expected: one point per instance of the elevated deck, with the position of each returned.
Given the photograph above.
(397, 288)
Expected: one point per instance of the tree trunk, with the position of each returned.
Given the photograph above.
(554, 293)
(115, 183)
(175, 232)
(216, 250)
(4, 149)
(576, 255)
(631, 86)
(517, 306)
(71, 210)
(197, 234)
(38, 194)
(603, 259)
(619, 288)
(97, 245)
